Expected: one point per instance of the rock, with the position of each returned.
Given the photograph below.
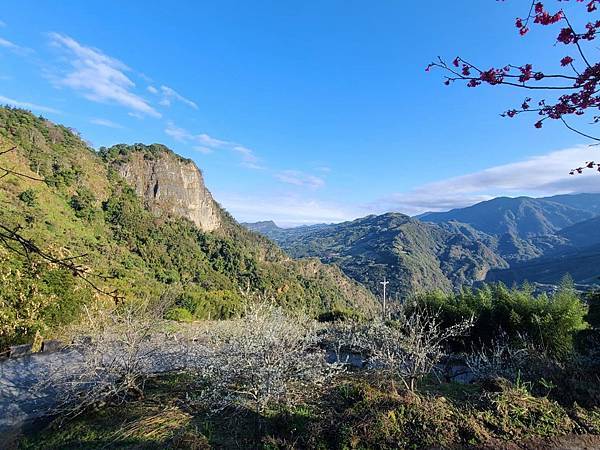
(173, 186)
(19, 350)
(52, 345)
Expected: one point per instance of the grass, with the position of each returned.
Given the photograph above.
(156, 422)
(360, 411)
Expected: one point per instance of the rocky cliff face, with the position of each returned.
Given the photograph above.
(172, 185)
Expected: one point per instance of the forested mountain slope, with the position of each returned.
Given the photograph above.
(522, 217)
(140, 218)
(506, 239)
(412, 255)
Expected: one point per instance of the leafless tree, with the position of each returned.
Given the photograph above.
(121, 349)
(410, 346)
(263, 359)
(500, 359)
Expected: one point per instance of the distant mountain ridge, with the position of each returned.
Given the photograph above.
(524, 217)
(411, 254)
(503, 239)
(542, 239)
(582, 234)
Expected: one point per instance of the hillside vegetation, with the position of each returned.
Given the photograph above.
(512, 240)
(414, 256)
(73, 203)
(265, 381)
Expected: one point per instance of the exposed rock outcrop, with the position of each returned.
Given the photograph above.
(170, 184)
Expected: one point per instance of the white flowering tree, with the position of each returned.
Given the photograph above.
(264, 359)
(410, 346)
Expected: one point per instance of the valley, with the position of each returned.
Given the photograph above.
(306, 225)
(512, 240)
(151, 293)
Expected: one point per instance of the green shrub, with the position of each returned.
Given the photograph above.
(339, 314)
(34, 297)
(549, 321)
(593, 316)
(60, 284)
(28, 197)
(216, 305)
(61, 177)
(84, 203)
(179, 314)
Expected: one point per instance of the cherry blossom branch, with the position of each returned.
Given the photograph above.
(581, 89)
(577, 131)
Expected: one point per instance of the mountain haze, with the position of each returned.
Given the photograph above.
(523, 217)
(504, 239)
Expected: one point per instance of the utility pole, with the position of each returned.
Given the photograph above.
(384, 283)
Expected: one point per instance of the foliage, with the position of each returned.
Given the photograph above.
(354, 412)
(28, 197)
(550, 322)
(35, 297)
(219, 304)
(21, 306)
(515, 411)
(593, 316)
(84, 213)
(414, 256)
(84, 203)
(342, 314)
(179, 315)
(262, 382)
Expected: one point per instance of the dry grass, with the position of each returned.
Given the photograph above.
(165, 424)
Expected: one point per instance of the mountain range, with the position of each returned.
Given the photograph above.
(145, 225)
(522, 216)
(504, 239)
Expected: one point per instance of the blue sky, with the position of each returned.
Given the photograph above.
(302, 112)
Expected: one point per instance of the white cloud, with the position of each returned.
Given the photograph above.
(177, 133)
(182, 135)
(8, 44)
(299, 178)
(169, 94)
(203, 150)
(536, 176)
(145, 77)
(99, 77)
(249, 159)
(106, 123)
(205, 144)
(27, 105)
(5, 43)
(209, 141)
